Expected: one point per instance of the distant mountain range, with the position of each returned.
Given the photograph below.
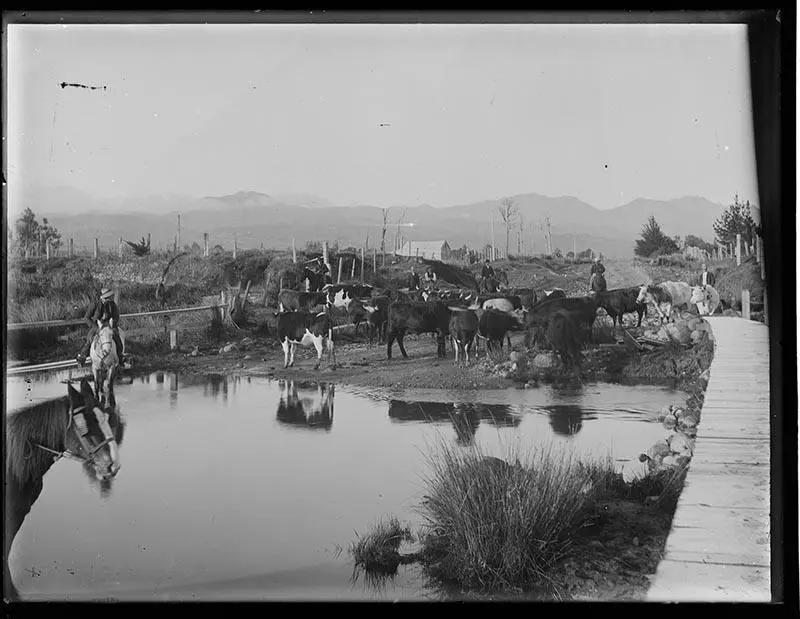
(256, 218)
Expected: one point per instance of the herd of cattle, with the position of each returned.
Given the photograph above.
(467, 317)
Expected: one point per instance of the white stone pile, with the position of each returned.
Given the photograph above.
(693, 330)
(677, 448)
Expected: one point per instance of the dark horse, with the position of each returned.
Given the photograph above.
(73, 426)
(493, 283)
(599, 283)
(564, 335)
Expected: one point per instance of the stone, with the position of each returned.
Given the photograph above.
(545, 360)
(516, 357)
(228, 348)
(668, 461)
(680, 444)
(689, 420)
(670, 422)
(664, 412)
(682, 460)
(659, 450)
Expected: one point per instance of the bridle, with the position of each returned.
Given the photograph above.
(79, 419)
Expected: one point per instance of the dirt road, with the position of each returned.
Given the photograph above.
(624, 273)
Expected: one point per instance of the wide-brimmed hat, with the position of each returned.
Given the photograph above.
(106, 293)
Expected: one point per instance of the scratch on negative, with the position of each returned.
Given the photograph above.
(65, 84)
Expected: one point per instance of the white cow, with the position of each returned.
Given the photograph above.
(675, 295)
(706, 298)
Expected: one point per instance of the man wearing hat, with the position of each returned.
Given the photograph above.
(597, 269)
(102, 309)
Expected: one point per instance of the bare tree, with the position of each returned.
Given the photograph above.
(400, 220)
(544, 226)
(520, 233)
(383, 234)
(508, 212)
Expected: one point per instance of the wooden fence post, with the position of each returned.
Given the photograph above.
(205, 244)
(738, 249)
(47, 248)
(763, 266)
(746, 304)
(353, 270)
(71, 249)
(374, 260)
(119, 247)
(234, 246)
(362, 265)
(96, 249)
(339, 276)
(325, 255)
(173, 339)
(294, 253)
(267, 278)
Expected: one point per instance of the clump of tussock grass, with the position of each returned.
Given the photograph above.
(663, 485)
(379, 550)
(491, 525)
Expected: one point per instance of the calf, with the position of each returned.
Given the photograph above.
(417, 318)
(622, 301)
(295, 300)
(463, 326)
(493, 326)
(305, 328)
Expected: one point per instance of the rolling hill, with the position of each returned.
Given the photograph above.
(255, 218)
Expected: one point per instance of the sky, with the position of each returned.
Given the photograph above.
(382, 114)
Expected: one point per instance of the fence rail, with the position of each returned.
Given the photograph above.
(80, 321)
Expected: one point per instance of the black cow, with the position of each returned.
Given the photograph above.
(564, 336)
(463, 327)
(377, 310)
(341, 295)
(295, 300)
(582, 309)
(417, 318)
(622, 301)
(555, 293)
(305, 328)
(527, 296)
(494, 325)
(357, 313)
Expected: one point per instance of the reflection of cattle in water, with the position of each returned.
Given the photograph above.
(465, 416)
(306, 404)
(566, 419)
(73, 426)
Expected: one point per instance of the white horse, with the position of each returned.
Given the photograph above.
(105, 360)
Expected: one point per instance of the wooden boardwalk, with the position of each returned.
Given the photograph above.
(719, 545)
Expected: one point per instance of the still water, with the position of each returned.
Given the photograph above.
(241, 489)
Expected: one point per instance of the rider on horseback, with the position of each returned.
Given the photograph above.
(597, 270)
(101, 310)
(487, 275)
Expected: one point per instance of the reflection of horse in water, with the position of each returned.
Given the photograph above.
(566, 419)
(306, 404)
(73, 426)
(465, 417)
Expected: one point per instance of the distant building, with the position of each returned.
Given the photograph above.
(432, 250)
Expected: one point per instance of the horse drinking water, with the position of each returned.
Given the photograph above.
(73, 426)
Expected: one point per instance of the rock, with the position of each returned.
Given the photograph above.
(664, 412)
(680, 444)
(228, 348)
(596, 543)
(516, 357)
(635, 541)
(659, 450)
(696, 336)
(670, 422)
(689, 420)
(545, 360)
(669, 461)
(634, 469)
(705, 375)
(678, 412)
(682, 460)
(246, 357)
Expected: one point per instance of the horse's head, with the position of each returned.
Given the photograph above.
(89, 436)
(106, 338)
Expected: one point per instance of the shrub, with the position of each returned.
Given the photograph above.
(493, 525)
(378, 551)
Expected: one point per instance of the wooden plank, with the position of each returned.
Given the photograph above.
(68, 323)
(717, 558)
(749, 539)
(732, 428)
(683, 581)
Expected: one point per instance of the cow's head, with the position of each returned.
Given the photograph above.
(644, 294)
(698, 295)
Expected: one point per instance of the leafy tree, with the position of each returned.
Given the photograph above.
(736, 219)
(696, 241)
(654, 240)
(33, 236)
